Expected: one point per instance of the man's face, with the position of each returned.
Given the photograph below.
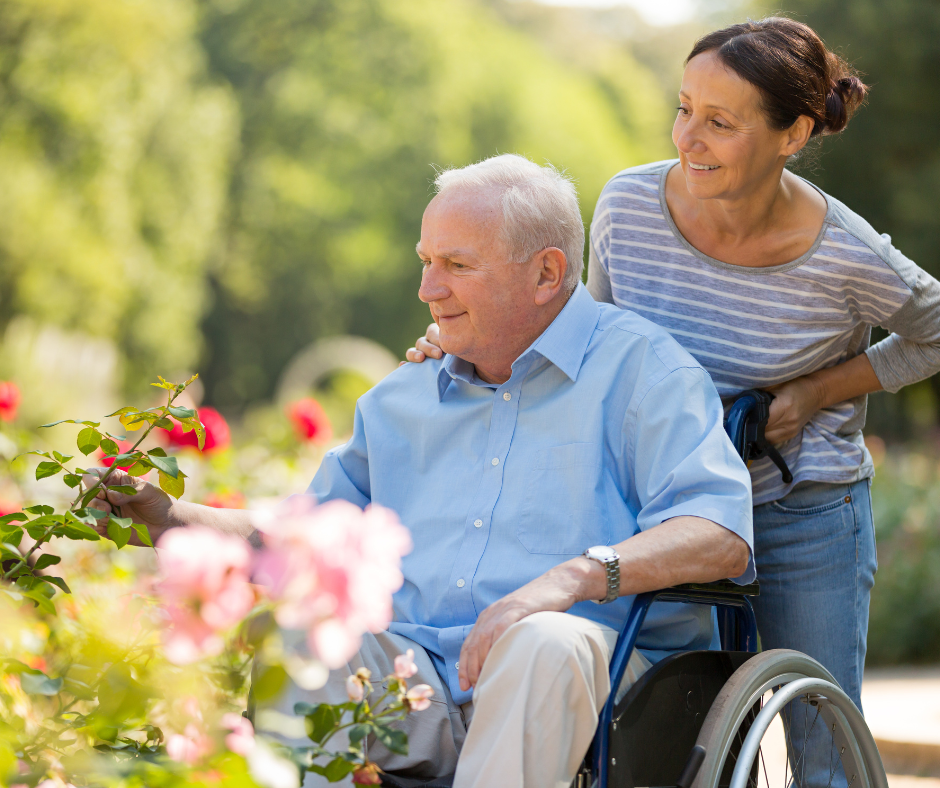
(483, 303)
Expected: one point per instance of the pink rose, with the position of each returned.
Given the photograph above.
(419, 697)
(331, 571)
(188, 747)
(405, 666)
(367, 775)
(241, 740)
(204, 589)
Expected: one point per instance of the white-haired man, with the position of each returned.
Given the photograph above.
(563, 453)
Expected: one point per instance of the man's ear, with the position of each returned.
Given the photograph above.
(552, 266)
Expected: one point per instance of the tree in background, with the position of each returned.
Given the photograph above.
(345, 105)
(114, 153)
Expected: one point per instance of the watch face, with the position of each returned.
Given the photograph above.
(601, 552)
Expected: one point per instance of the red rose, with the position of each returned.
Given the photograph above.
(218, 435)
(310, 421)
(123, 448)
(9, 400)
(8, 507)
(225, 500)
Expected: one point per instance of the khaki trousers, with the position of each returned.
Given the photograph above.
(533, 713)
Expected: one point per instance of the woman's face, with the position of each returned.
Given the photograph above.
(726, 149)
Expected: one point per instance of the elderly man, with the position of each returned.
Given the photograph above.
(562, 454)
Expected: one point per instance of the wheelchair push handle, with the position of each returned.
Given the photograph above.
(745, 425)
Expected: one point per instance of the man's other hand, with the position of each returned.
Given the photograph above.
(557, 590)
(150, 505)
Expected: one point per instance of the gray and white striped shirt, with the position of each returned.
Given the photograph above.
(756, 327)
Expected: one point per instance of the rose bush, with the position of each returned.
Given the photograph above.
(139, 675)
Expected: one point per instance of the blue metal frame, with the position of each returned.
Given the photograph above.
(738, 632)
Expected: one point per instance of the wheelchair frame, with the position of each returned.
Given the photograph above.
(737, 630)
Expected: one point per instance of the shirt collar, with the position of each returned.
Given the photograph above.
(563, 343)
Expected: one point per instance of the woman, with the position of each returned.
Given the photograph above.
(772, 284)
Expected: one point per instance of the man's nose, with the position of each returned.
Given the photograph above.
(432, 287)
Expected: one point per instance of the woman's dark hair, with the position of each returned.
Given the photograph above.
(793, 70)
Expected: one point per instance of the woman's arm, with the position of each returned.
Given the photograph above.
(598, 281)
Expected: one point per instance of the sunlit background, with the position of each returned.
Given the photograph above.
(235, 188)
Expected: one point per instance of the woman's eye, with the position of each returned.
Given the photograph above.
(683, 110)
(719, 124)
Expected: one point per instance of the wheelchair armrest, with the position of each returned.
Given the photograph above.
(720, 586)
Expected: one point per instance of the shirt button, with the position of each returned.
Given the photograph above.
(457, 665)
(495, 461)
(461, 583)
(477, 523)
(507, 396)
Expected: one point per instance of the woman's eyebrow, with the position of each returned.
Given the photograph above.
(683, 94)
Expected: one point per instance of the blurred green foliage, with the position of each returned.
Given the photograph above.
(905, 605)
(114, 154)
(345, 105)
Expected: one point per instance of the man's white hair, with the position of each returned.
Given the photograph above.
(540, 207)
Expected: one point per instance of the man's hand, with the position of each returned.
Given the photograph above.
(150, 506)
(557, 590)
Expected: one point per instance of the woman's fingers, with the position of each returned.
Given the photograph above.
(414, 355)
(428, 348)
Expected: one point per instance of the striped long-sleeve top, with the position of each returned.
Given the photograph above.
(756, 327)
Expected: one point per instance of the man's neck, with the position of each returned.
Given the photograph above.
(499, 370)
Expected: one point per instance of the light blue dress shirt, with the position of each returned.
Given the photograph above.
(607, 427)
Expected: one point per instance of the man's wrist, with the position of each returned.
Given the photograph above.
(590, 579)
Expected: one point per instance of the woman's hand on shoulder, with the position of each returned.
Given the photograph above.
(795, 403)
(428, 346)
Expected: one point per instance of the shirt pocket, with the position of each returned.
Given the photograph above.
(563, 505)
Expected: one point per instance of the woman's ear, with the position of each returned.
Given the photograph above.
(552, 266)
(798, 135)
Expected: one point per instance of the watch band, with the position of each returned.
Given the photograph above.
(611, 564)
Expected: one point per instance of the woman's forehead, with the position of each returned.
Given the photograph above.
(710, 84)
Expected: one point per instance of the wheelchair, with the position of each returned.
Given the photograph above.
(732, 718)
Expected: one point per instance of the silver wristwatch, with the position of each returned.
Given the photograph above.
(610, 560)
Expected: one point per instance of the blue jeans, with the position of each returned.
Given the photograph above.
(816, 563)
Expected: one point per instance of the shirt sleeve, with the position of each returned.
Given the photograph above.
(684, 463)
(344, 472)
(912, 351)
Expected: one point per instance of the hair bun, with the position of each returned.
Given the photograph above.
(846, 95)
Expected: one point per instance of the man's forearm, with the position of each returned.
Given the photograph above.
(230, 521)
(680, 550)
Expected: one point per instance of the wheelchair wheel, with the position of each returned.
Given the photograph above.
(781, 720)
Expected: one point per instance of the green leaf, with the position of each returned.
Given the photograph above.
(89, 516)
(109, 447)
(13, 537)
(9, 518)
(168, 465)
(269, 683)
(118, 532)
(164, 424)
(72, 479)
(358, 732)
(40, 684)
(182, 413)
(156, 452)
(337, 769)
(45, 469)
(46, 560)
(126, 489)
(77, 531)
(39, 509)
(10, 549)
(55, 423)
(322, 721)
(88, 440)
(175, 487)
(394, 740)
(140, 468)
(42, 601)
(63, 458)
(57, 581)
(142, 533)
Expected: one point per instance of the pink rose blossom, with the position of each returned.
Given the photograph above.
(354, 689)
(405, 666)
(204, 589)
(367, 775)
(241, 740)
(419, 697)
(190, 746)
(331, 571)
